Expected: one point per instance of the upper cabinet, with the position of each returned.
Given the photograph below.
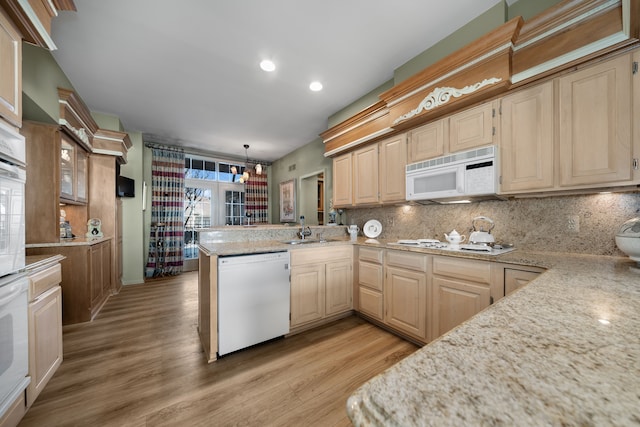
(465, 130)
(33, 18)
(595, 124)
(372, 174)
(527, 143)
(593, 147)
(73, 171)
(11, 71)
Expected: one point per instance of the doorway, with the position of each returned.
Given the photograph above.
(312, 198)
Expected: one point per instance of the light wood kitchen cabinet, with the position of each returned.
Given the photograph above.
(462, 131)
(370, 282)
(11, 71)
(342, 180)
(472, 128)
(372, 174)
(405, 292)
(527, 139)
(45, 328)
(392, 161)
(515, 279)
(460, 288)
(365, 175)
(595, 124)
(428, 141)
(321, 284)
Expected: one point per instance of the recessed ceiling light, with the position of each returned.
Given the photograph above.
(315, 86)
(267, 65)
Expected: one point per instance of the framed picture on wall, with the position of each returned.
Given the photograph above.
(288, 201)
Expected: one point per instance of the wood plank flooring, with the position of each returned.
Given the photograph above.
(140, 363)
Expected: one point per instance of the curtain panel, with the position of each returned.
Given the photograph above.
(167, 213)
(257, 198)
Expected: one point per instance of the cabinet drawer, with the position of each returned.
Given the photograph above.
(370, 275)
(370, 302)
(407, 260)
(320, 255)
(370, 254)
(471, 270)
(42, 280)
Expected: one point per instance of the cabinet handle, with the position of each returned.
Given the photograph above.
(635, 164)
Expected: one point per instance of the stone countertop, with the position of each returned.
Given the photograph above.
(563, 350)
(35, 263)
(76, 241)
(245, 248)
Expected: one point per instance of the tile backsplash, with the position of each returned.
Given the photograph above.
(537, 224)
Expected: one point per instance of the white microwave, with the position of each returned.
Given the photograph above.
(466, 175)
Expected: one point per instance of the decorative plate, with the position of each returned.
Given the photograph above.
(372, 228)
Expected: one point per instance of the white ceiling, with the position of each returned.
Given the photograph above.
(187, 72)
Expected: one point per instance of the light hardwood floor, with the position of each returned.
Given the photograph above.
(140, 363)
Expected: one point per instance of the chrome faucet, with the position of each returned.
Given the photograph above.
(303, 233)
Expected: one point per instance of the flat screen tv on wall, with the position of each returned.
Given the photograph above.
(125, 187)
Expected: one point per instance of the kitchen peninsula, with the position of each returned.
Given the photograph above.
(561, 350)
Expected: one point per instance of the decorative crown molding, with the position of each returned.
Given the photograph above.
(442, 95)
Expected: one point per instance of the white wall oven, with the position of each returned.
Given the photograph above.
(12, 182)
(14, 333)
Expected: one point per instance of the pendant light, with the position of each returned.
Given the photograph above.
(245, 175)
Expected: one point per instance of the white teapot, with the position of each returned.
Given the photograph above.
(454, 237)
(353, 231)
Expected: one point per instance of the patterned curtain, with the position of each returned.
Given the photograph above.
(257, 198)
(167, 213)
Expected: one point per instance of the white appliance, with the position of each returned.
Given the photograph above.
(14, 339)
(468, 175)
(253, 299)
(12, 181)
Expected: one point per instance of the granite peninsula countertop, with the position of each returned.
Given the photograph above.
(76, 241)
(563, 350)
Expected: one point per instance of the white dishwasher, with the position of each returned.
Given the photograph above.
(253, 299)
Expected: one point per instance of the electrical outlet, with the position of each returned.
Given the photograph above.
(573, 223)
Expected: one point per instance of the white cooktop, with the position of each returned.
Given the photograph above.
(435, 244)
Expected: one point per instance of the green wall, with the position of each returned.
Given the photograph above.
(41, 78)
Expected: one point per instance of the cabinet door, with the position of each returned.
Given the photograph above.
(595, 124)
(405, 297)
(455, 301)
(370, 275)
(471, 128)
(527, 139)
(427, 141)
(67, 169)
(106, 268)
(365, 175)
(82, 176)
(307, 293)
(392, 175)
(96, 275)
(45, 340)
(342, 183)
(338, 287)
(11, 71)
(515, 279)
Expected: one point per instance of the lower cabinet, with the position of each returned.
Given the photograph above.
(321, 283)
(517, 278)
(45, 328)
(86, 278)
(460, 289)
(405, 292)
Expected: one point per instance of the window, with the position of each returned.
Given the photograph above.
(213, 196)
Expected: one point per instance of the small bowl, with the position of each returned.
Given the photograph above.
(630, 246)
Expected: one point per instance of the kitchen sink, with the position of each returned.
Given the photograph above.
(302, 242)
